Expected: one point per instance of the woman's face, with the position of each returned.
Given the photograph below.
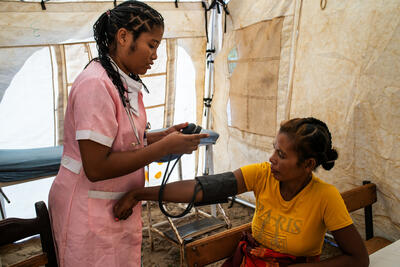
(138, 56)
(284, 165)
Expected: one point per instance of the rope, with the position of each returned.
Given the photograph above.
(54, 95)
(323, 3)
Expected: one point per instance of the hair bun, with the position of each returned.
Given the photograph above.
(331, 157)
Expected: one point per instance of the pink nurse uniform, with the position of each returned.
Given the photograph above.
(85, 231)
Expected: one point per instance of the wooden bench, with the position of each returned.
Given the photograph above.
(15, 229)
(222, 245)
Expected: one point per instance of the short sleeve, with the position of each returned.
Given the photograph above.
(336, 215)
(94, 112)
(254, 174)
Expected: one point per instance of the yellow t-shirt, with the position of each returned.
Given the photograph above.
(298, 226)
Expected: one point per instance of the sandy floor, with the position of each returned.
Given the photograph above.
(165, 253)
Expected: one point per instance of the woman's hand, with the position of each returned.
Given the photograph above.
(123, 208)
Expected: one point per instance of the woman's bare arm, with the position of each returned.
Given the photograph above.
(179, 192)
(354, 252)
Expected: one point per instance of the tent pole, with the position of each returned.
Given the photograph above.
(208, 94)
(292, 64)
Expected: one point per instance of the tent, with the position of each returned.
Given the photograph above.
(334, 60)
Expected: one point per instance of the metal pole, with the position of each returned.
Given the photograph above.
(208, 93)
(243, 202)
(2, 207)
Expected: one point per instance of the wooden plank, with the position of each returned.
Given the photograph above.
(376, 243)
(214, 248)
(360, 197)
(35, 261)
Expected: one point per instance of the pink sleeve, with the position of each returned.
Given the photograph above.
(94, 112)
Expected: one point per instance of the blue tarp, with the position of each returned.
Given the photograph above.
(22, 164)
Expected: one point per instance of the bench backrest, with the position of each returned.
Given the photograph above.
(360, 197)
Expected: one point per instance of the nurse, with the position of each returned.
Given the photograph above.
(105, 143)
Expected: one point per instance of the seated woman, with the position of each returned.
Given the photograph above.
(294, 208)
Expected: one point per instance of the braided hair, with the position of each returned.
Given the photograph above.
(312, 139)
(136, 17)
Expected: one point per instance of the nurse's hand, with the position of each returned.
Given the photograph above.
(123, 208)
(176, 128)
(179, 143)
(156, 136)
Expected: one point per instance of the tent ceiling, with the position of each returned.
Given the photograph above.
(26, 25)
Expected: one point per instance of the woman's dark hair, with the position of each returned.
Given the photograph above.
(136, 17)
(311, 139)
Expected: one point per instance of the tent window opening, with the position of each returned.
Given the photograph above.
(185, 103)
(27, 107)
(232, 59)
(184, 111)
(155, 104)
(155, 80)
(27, 119)
(77, 57)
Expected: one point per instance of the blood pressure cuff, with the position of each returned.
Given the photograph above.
(216, 188)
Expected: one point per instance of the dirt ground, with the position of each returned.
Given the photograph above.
(165, 253)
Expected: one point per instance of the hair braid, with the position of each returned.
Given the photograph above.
(135, 16)
(312, 139)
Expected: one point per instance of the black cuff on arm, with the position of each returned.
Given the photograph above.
(217, 188)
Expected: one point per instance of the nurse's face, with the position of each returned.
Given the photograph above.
(138, 55)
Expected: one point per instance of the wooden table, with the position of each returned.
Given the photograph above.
(388, 256)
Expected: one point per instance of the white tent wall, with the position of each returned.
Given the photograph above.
(347, 73)
(339, 64)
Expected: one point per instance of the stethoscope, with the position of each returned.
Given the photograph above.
(129, 112)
